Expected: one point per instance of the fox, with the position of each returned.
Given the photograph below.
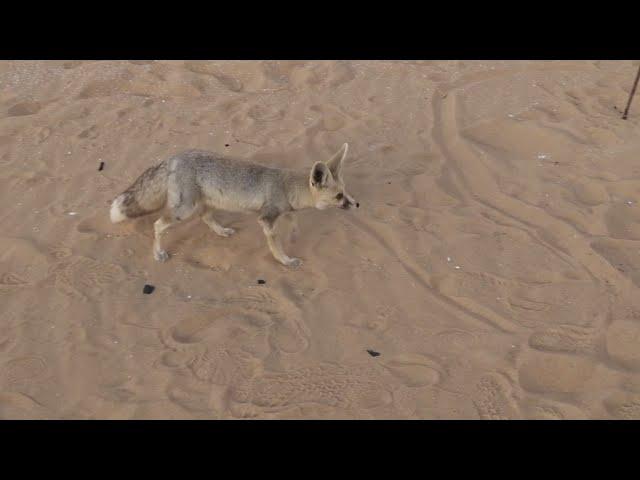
(206, 182)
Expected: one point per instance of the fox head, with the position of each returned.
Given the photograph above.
(327, 185)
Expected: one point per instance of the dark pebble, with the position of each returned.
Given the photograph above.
(226, 144)
(101, 167)
(148, 289)
(261, 281)
(373, 354)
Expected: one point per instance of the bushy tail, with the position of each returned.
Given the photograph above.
(147, 194)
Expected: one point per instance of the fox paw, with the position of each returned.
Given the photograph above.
(161, 255)
(225, 232)
(293, 262)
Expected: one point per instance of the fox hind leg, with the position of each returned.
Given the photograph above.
(161, 225)
(159, 228)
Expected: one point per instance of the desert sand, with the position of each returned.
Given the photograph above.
(493, 264)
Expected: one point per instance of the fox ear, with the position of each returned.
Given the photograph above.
(335, 164)
(319, 176)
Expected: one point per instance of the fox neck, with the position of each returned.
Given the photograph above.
(298, 191)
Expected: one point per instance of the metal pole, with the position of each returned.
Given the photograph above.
(633, 91)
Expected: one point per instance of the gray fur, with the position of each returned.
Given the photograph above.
(197, 179)
(147, 194)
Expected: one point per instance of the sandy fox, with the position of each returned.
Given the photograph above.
(201, 181)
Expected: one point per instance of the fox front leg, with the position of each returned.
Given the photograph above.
(268, 220)
(209, 219)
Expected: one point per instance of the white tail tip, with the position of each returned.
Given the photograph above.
(116, 210)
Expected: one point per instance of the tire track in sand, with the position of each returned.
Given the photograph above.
(481, 188)
(469, 311)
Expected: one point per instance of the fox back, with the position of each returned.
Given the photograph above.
(225, 183)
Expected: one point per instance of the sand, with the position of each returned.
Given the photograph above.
(493, 265)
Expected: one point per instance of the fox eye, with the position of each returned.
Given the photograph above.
(339, 196)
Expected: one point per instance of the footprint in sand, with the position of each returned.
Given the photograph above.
(173, 360)
(42, 133)
(625, 406)
(207, 258)
(285, 336)
(556, 372)
(193, 397)
(288, 332)
(24, 108)
(84, 277)
(192, 329)
(224, 364)
(415, 370)
(214, 347)
(60, 252)
(90, 133)
(456, 339)
(105, 87)
(544, 409)
(10, 279)
(326, 384)
(280, 72)
(261, 113)
(205, 322)
(340, 73)
(22, 263)
(5, 158)
(565, 338)
(23, 370)
(494, 398)
(231, 83)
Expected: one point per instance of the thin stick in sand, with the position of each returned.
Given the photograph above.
(633, 91)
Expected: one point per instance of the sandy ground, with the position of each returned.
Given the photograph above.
(494, 263)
